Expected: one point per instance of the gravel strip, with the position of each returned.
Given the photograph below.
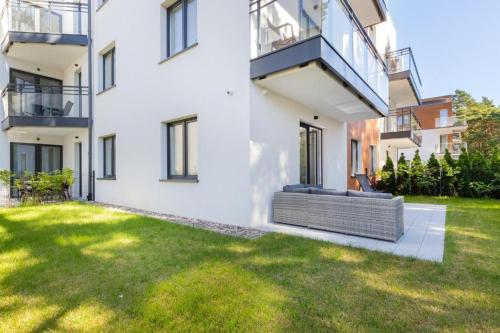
(225, 229)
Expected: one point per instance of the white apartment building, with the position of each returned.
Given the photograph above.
(199, 108)
(43, 77)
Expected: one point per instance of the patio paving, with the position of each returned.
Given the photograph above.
(423, 238)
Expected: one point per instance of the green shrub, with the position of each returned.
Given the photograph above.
(403, 176)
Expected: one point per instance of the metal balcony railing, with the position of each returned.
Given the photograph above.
(36, 16)
(31, 100)
(401, 61)
(404, 120)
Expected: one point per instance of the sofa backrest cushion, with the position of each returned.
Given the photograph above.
(291, 188)
(328, 192)
(373, 195)
(301, 190)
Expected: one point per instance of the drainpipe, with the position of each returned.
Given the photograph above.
(91, 194)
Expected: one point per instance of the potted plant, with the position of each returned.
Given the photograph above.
(5, 179)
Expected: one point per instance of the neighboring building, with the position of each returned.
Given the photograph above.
(44, 114)
(441, 129)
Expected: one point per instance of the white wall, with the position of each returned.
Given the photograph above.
(195, 82)
(275, 147)
(430, 139)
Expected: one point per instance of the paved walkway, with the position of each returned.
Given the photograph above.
(423, 238)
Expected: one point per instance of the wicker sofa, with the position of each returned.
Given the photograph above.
(351, 212)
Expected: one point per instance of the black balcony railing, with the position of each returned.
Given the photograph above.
(401, 61)
(31, 100)
(404, 120)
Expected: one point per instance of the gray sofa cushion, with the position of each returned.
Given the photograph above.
(291, 188)
(328, 192)
(373, 195)
(300, 190)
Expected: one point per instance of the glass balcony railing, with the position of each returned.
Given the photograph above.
(452, 121)
(27, 100)
(404, 120)
(402, 61)
(454, 148)
(54, 17)
(277, 24)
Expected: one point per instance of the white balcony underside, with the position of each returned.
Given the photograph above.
(319, 91)
(367, 11)
(400, 143)
(53, 56)
(402, 94)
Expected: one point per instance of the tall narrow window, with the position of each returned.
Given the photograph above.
(108, 69)
(310, 155)
(354, 157)
(108, 145)
(183, 149)
(373, 160)
(182, 26)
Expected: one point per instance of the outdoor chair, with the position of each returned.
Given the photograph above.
(280, 30)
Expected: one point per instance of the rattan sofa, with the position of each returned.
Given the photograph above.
(368, 217)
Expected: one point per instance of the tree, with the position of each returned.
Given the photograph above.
(417, 171)
(433, 174)
(483, 120)
(403, 176)
(388, 178)
(449, 175)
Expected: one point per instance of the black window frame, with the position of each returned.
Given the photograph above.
(111, 53)
(373, 159)
(185, 150)
(319, 154)
(185, 23)
(357, 158)
(113, 157)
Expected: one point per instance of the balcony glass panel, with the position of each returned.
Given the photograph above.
(30, 100)
(277, 24)
(452, 121)
(56, 17)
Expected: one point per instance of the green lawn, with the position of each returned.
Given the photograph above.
(81, 268)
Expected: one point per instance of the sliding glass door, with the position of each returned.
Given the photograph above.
(35, 158)
(311, 155)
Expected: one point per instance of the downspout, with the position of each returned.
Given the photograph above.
(91, 194)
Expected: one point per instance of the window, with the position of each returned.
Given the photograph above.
(182, 26)
(108, 69)
(373, 160)
(354, 157)
(109, 155)
(182, 146)
(310, 155)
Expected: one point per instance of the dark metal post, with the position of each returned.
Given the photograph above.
(91, 194)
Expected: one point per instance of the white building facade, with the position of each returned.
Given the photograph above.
(203, 109)
(43, 76)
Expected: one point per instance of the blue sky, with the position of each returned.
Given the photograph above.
(456, 44)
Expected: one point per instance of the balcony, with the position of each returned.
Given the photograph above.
(455, 149)
(402, 129)
(404, 79)
(457, 124)
(370, 12)
(29, 106)
(318, 54)
(48, 33)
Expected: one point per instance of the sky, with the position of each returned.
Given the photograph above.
(456, 44)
